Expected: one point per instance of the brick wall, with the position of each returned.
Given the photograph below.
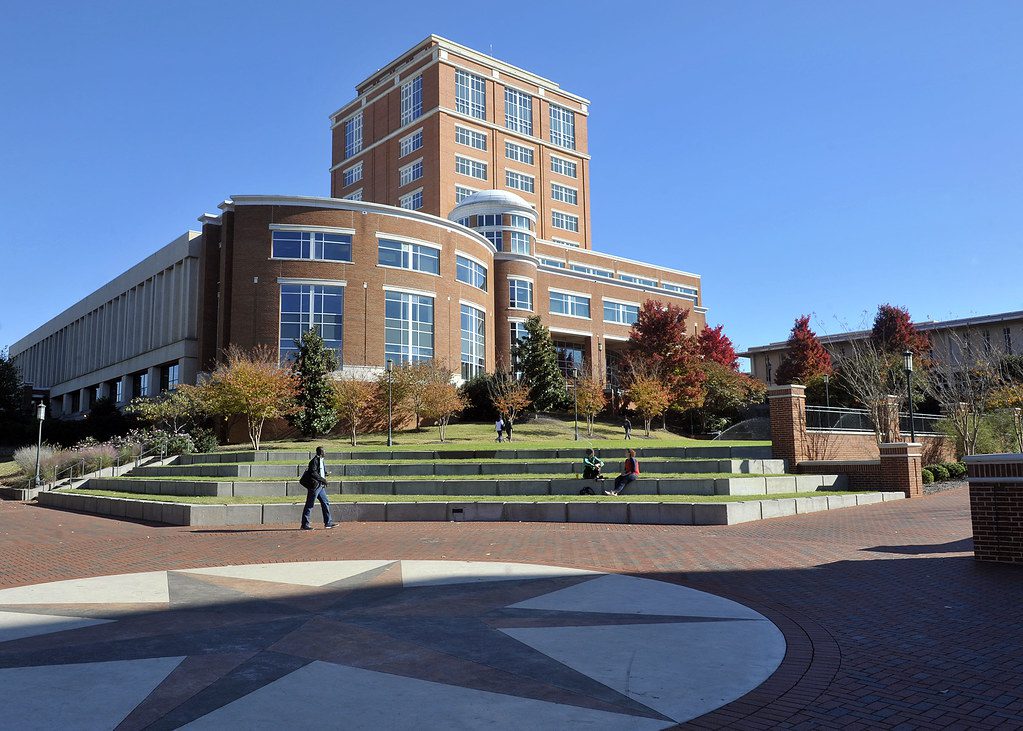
(996, 506)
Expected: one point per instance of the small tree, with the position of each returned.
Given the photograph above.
(12, 397)
(717, 347)
(414, 381)
(872, 377)
(649, 397)
(539, 363)
(659, 338)
(313, 366)
(894, 332)
(1010, 396)
(174, 411)
(441, 401)
(255, 385)
(805, 357)
(592, 400)
(353, 400)
(509, 395)
(727, 393)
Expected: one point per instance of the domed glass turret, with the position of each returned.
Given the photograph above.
(504, 218)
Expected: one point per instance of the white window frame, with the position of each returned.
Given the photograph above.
(407, 344)
(522, 152)
(408, 253)
(472, 260)
(574, 295)
(569, 217)
(591, 269)
(407, 173)
(548, 261)
(527, 186)
(647, 281)
(409, 198)
(619, 303)
(531, 289)
(562, 127)
(405, 146)
(351, 175)
(310, 283)
(355, 195)
(515, 122)
(564, 162)
(477, 354)
(471, 164)
(563, 193)
(467, 136)
(471, 190)
(411, 108)
(353, 134)
(475, 102)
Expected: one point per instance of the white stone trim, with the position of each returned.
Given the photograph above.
(408, 240)
(615, 338)
(567, 331)
(409, 290)
(621, 302)
(312, 229)
(313, 281)
(559, 290)
(459, 252)
(521, 277)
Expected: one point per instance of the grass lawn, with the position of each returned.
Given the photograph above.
(547, 433)
(457, 498)
(9, 469)
(431, 478)
(608, 461)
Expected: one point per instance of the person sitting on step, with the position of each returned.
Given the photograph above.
(592, 465)
(630, 473)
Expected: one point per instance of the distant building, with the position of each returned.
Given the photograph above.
(1002, 332)
(460, 208)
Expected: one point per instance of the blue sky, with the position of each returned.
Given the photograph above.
(802, 156)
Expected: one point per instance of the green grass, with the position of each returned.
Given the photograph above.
(548, 433)
(9, 469)
(456, 498)
(486, 460)
(431, 478)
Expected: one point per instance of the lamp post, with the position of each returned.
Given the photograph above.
(907, 362)
(575, 391)
(40, 415)
(390, 380)
(827, 391)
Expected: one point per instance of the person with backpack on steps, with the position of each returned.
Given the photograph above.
(314, 480)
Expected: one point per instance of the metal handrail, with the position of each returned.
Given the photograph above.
(80, 464)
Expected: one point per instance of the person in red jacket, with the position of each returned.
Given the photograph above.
(630, 472)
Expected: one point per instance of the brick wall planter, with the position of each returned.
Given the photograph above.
(996, 507)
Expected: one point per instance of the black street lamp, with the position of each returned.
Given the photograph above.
(827, 392)
(575, 390)
(40, 415)
(907, 362)
(390, 380)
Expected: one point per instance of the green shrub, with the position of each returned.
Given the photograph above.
(956, 470)
(205, 440)
(940, 473)
(928, 476)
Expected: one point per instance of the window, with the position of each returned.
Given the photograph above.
(620, 312)
(405, 255)
(520, 294)
(565, 221)
(353, 135)
(461, 193)
(595, 271)
(678, 288)
(411, 143)
(141, 386)
(490, 219)
(470, 167)
(637, 280)
(473, 341)
(574, 305)
(411, 100)
(552, 262)
(412, 201)
(561, 166)
(470, 95)
(570, 357)
(517, 334)
(767, 369)
(353, 174)
(119, 390)
(471, 138)
(518, 111)
(412, 171)
(563, 242)
(519, 181)
(496, 238)
(355, 195)
(519, 242)
(562, 127)
(312, 245)
(170, 377)
(1007, 340)
(518, 153)
(470, 272)
(307, 307)
(408, 327)
(517, 221)
(564, 194)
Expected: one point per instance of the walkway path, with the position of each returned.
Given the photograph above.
(888, 621)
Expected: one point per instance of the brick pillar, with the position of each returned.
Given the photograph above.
(996, 506)
(901, 468)
(788, 423)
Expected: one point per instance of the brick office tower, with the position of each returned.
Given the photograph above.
(442, 121)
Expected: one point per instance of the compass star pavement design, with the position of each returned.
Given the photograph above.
(371, 644)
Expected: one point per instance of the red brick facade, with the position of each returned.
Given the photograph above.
(996, 507)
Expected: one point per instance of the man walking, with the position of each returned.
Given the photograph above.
(628, 428)
(499, 426)
(315, 482)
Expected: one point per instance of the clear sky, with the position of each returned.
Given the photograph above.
(802, 157)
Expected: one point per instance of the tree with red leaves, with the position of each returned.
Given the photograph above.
(805, 357)
(659, 340)
(895, 332)
(716, 346)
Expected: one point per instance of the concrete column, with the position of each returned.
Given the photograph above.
(788, 423)
(56, 407)
(65, 409)
(84, 400)
(154, 381)
(902, 468)
(996, 506)
(188, 370)
(127, 388)
(103, 390)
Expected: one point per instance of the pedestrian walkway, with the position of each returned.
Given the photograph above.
(886, 619)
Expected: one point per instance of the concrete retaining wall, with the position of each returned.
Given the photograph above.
(572, 512)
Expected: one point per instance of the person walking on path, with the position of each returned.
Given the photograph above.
(630, 472)
(628, 428)
(592, 465)
(315, 483)
(499, 425)
(507, 428)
